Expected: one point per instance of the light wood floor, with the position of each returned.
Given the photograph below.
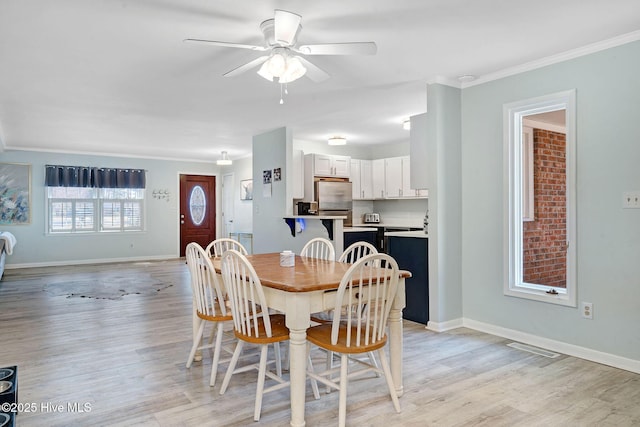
(126, 358)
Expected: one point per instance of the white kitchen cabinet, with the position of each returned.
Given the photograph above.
(356, 186)
(419, 176)
(362, 179)
(406, 178)
(378, 181)
(366, 179)
(397, 179)
(298, 174)
(393, 177)
(329, 165)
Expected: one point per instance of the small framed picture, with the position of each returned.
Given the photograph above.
(277, 174)
(266, 177)
(246, 189)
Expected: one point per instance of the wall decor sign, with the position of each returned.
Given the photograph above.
(15, 193)
(246, 189)
(277, 174)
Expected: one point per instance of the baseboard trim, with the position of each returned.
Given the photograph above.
(557, 346)
(444, 326)
(90, 261)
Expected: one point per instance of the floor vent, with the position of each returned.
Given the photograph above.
(534, 350)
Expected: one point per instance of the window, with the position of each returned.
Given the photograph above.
(77, 209)
(86, 199)
(540, 201)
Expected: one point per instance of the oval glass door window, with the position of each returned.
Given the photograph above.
(197, 205)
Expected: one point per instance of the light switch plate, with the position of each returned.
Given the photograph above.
(631, 200)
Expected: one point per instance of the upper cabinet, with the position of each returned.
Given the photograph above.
(397, 179)
(328, 165)
(378, 178)
(418, 148)
(298, 174)
(393, 177)
(323, 165)
(362, 179)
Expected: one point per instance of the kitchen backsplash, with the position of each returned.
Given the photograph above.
(408, 212)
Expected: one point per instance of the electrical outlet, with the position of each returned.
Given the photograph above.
(587, 310)
(631, 200)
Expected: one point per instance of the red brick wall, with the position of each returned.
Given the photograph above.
(544, 239)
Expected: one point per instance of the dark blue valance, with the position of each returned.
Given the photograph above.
(82, 176)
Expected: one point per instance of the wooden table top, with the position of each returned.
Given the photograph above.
(307, 275)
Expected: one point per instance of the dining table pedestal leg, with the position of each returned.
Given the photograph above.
(298, 374)
(298, 320)
(395, 338)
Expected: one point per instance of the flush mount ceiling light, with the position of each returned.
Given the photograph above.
(406, 124)
(337, 140)
(225, 160)
(466, 78)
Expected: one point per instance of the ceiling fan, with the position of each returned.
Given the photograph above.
(284, 61)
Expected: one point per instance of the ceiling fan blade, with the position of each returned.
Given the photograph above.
(286, 26)
(227, 44)
(246, 67)
(315, 73)
(354, 48)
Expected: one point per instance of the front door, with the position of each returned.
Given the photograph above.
(197, 210)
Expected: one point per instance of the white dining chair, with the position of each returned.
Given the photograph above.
(252, 324)
(320, 248)
(357, 250)
(367, 289)
(208, 305)
(219, 246)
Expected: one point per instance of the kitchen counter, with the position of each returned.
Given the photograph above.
(388, 225)
(333, 223)
(420, 234)
(316, 216)
(358, 229)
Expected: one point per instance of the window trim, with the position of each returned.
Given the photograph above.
(98, 215)
(512, 246)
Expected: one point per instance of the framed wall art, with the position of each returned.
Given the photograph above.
(15, 193)
(246, 189)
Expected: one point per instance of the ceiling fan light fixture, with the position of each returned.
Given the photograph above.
(337, 140)
(224, 160)
(264, 72)
(294, 70)
(277, 64)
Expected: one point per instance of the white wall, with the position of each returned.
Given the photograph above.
(608, 246)
(271, 150)
(159, 240)
(242, 209)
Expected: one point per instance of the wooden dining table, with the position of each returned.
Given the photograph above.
(308, 287)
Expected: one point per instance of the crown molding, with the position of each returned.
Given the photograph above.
(444, 81)
(554, 59)
(106, 154)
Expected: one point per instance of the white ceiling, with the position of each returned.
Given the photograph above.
(115, 77)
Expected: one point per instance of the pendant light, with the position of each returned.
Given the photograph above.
(225, 160)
